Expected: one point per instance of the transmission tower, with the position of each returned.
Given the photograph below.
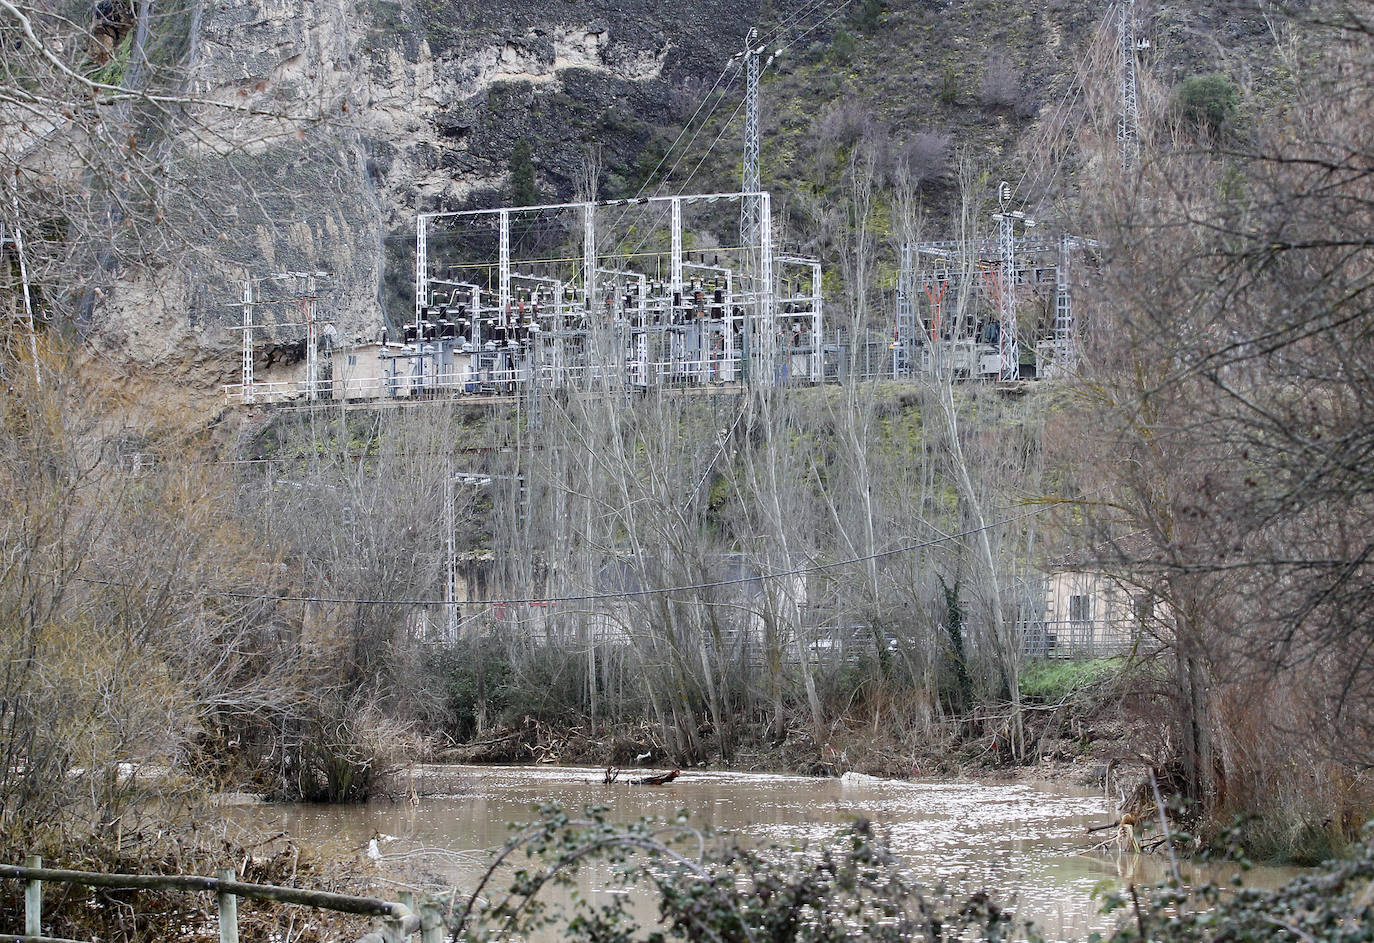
(749, 209)
(1127, 136)
(752, 225)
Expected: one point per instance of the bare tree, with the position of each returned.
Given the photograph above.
(1233, 389)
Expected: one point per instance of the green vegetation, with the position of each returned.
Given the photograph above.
(714, 888)
(869, 15)
(1210, 102)
(842, 46)
(949, 86)
(524, 191)
(1052, 680)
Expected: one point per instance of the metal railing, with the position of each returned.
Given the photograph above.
(401, 919)
(1078, 638)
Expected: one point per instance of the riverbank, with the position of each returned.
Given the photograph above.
(1087, 760)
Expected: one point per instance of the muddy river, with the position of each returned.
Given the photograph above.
(1009, 838)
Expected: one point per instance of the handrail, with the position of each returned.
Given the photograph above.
(325, 900)
(401, 920)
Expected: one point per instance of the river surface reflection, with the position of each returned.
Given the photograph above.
(1027, 839)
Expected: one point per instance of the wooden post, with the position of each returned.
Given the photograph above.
(431, 925)
(33, 900)
(228, 909)
(397, 927)
(393, 928)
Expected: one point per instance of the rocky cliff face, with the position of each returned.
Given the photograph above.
(351, 115)
(368, 110)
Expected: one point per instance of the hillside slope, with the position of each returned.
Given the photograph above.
(345, 118)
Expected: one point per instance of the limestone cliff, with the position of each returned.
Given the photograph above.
(342, 118)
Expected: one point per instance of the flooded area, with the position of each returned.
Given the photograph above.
(1026, 839)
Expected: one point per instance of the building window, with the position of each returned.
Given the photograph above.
(1081, 608)
(352, 360)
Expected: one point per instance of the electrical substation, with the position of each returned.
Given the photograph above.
(687, 292)
(963, 310)
(607, 295)
(680, 291)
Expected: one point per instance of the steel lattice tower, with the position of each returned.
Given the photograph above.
(1126, 128)
(749, 209)
(1008, 339)
(1008, 345)
(247, 341)
(904, 337)
(1065, 348)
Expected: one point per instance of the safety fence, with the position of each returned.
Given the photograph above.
(400, 919)
(1078, 638)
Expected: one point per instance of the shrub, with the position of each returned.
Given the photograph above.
(475, 675)
(710, 888)
(949, 86)
(842, 46)
(523, 189)
(869, 15)
(1209, 102)
(853, 888)
(1001, 86)
(345, 753)
(1333, 902)
(925, 156)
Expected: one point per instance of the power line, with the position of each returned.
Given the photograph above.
(593, 597)
(821, 22)
(1057, 124)
(704, 122)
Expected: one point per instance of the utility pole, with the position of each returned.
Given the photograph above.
(450, 561)
(312, 342)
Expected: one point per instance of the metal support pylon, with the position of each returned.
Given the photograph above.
(675, 248)
(589, 256)
(767, 340)
(450, 560)
(1065, 350)
(1008, 339)
(312, 343)
(749, 211)
(248, 340)
(903, 341)
(748, 223)
(1126, 129)
(421, 265)
(503, 265)
(1008, 347)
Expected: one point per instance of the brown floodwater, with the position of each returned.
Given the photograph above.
(1029, 840)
